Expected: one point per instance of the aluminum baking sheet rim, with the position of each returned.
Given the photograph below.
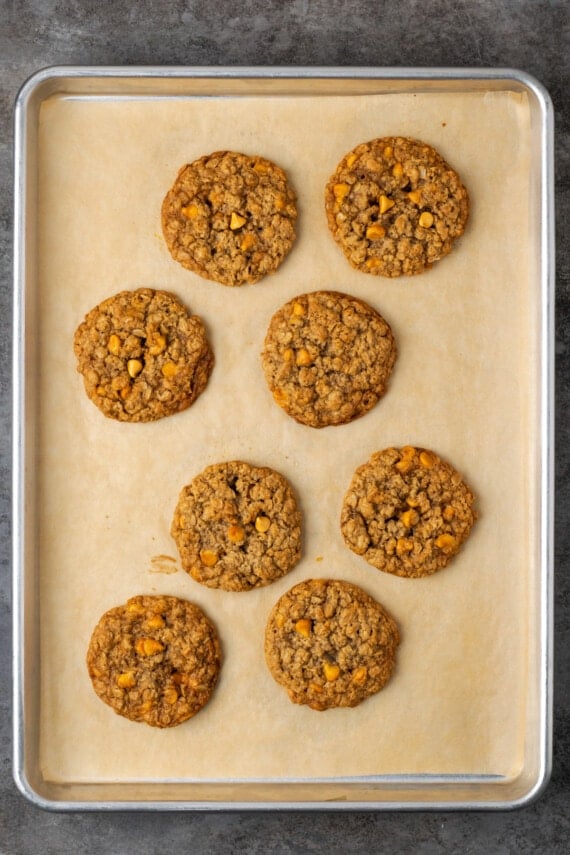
(406, 76)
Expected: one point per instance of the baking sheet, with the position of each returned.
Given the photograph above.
(464, 384)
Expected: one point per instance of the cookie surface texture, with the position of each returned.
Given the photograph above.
(154, 659)
(395, 206)
(327, 358)
(237, 526)
(330, 644)
(407, 512)
(142, 355)
(230, 217)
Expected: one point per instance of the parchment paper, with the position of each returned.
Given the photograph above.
(461, 386)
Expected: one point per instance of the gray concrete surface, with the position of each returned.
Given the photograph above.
(533, 36)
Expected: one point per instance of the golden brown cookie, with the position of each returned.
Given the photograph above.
(142, 355)
(330, 644)
(155, 659)
(327, 358)
(407, 511)
(237, 526)
(230, 217)
(395, 206)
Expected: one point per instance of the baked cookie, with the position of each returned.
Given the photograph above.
(327, 358)
(154, 659)
(142, 355)
(237, 526)
(230, 217)
(395, 206)
(330, 644)
(407, 512)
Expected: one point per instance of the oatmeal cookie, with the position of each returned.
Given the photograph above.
(237, 526)
(395, 206)
(327, 358)
(330, 644)
(230, 217)
(154, 659)
(142, 355)
(407, 512)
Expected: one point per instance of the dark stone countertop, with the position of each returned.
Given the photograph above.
(525, 34)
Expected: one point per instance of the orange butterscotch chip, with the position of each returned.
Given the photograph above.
(404, 464)
(248, 242)
(446, 542)
(126, 680)
(427, 459)
(191, 211)
(303, 357)
(280, 397)
(331, 671)
(148, 646)
(409, 518)
(208, 557)
(236, 534)
(341, 191)
(360, 675)
(375, 232)
(404, 545)
(303, 627)
(426, 220)
(236, 221)
(169, 370)
(262, 524)
(114, 344)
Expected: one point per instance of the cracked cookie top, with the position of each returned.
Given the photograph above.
(327, 358)
(395, 206)
(230, 217)
(142, 355)
(330, 644)
(154, 659)
(237, 526)
(407, 511)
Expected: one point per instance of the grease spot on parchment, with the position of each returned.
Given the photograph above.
(163, 564)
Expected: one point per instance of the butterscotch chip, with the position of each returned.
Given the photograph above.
(154, 659)
(327, 358)
(401, 208)
(142, 355)
(407, 512)
(330, 644)
(230, 217)
(237, 526)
